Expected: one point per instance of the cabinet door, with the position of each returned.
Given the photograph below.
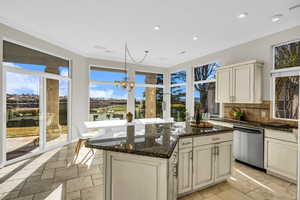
(203, 166)
(237, 149)
(124, 174)
(281, 157)
(223, 161)
(185, 161)
(242, 84)
(223, 86)
(173, 172)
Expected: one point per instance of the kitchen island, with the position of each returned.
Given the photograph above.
(156, 163)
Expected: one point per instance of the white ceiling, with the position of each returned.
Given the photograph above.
(81, 24)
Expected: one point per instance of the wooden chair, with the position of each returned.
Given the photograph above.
(84, 136)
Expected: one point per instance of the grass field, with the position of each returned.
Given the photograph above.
(28, 131)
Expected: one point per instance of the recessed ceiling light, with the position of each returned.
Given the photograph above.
(108, 51)
(242, 15)
(157, 27)
(277, 18)
(182, 52)
(99, 47)
(195, 37)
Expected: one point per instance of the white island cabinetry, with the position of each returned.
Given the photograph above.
(164, 162)
(135, 177)
(206, 161)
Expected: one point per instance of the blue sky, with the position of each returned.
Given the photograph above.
(29, 84)
(112, 91)
(113, 76)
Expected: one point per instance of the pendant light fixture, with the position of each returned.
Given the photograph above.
(128, 84)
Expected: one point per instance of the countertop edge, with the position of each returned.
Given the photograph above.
(157, 155)
(231, 121)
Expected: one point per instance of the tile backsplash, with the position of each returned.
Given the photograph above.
(254, 112)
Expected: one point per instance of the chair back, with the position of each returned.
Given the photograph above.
(81, 128)
(151, 121)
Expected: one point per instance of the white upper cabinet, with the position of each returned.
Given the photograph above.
(224, 77)
(239, 83)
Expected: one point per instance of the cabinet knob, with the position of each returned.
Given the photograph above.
(215, 139)
(186, 143)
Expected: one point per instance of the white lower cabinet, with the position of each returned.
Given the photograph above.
(281, 158)
(204, 165)
(223, 163)
(135, 177)
(185, 162)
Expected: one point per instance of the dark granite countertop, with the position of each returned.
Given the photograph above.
(268, 125)
(155, 140)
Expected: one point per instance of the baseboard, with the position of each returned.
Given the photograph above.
(282, 177)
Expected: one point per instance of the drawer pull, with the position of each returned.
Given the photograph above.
(186, 143)
(215, 139)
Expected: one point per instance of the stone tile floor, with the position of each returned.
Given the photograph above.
(56, 175)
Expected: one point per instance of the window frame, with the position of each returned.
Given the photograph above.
(274, 96)
(131, 76)
(202, 82)
(101, 83)
(149, 86)
(43, 76)
(276, 73)
(178, 85)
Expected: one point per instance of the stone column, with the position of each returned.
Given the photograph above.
(150, 97)
(52, 104)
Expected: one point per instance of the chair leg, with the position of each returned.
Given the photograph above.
(79, 144)
(76, 147)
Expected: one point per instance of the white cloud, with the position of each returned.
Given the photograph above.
(101, 93)
(106, 94)
(9, 64)
(64, 71)
(22, 84)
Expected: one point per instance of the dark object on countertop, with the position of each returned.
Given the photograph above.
(129, 117)
(239, 115)
(235, 113)
(198, 117)
(202, 124)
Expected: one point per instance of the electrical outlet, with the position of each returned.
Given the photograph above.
(263, 114)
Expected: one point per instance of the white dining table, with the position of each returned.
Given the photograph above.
(122, 123)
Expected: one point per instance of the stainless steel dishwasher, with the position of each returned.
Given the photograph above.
(248, 144)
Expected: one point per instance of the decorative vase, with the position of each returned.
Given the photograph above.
(129, 117)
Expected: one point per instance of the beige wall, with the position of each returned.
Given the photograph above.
(260, 49)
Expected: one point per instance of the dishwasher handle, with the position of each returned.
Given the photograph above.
(254, 131)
